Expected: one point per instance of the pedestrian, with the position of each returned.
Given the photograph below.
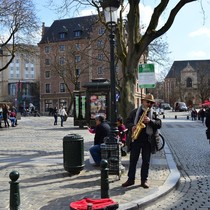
(101, 130)
(194, 114)
(12, 118)
(202, 115)
(62, 114)
(207, 123)
(145, 142)
(5, 111)
(55, 114)
(122, 135)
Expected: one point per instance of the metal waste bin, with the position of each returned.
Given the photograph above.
(73, 153)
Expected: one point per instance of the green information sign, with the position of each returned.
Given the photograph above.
(146, 76)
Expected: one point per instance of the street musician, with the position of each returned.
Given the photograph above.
(143, 124)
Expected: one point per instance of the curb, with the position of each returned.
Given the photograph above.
(168, 185)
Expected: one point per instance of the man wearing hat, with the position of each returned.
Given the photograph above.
(145, 142)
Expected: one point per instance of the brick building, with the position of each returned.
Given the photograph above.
(73, 52)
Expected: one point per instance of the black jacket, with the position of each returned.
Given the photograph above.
(101, 131)
(155, 124)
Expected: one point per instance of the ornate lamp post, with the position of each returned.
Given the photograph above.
(110, 8)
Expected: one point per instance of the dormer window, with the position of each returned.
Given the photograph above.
(62, 35)
(77, 33)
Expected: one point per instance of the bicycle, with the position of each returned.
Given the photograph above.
(162, 142)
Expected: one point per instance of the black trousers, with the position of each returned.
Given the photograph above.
(145, 148)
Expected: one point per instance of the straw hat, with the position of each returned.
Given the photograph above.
(149, 97)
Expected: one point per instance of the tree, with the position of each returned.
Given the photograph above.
(18, 26)
(70, 66)
(131, 47)
(203, 84)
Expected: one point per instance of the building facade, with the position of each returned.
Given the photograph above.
(188, 81)
(19, 83)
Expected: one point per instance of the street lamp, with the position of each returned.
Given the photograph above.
(110, 8)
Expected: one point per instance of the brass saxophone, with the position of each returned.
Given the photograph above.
(139, 126)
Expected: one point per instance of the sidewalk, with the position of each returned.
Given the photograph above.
(34, 149)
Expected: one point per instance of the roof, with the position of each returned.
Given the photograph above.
(178, 66)
(69, 26)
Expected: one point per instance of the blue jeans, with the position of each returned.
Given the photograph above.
(95, 152)
(62, 119)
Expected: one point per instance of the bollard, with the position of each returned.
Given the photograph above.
(104, 179)
(163, 116)
(187, 117)
(14, 191)
(175, 116)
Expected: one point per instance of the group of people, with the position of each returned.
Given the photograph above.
(145, 143)
(201, 114)
(59, 113)
(8, 116)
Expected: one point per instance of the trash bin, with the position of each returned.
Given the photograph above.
(73, 153)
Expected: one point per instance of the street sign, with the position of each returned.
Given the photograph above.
(146, 76)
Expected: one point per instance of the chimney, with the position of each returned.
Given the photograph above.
(43, 29)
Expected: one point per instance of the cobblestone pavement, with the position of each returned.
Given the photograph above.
(191, 149)
(35, 149)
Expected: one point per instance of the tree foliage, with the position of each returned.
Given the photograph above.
(132, 43)
(18, 26)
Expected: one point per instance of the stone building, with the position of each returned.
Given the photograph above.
(188, 81)
(19, 83)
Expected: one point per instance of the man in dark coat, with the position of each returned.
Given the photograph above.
(101, 131)
(207, 123)
(145, 142)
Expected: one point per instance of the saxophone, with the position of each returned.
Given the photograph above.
(139, 126)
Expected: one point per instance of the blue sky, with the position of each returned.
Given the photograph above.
(188, 38)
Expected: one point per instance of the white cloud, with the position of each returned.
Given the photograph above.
(87, 12)
(203, 31)
(197, 54)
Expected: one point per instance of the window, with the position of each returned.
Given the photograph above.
(12, 89)
(100, 43)
(62, 88)
(100, 71)
(47, 74)
(100, 57)
(77, 58)
(62, 48)
(47, 49)
(47, 88)
(62, 35)
(48, 105)
(77, 72)
(189, 82)
(77, 46)
(47, 61)
(77, 33)
(62, 61)
(101, 30)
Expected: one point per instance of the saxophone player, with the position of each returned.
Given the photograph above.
(146, 139)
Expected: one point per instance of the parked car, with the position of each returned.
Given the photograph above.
(165, 106)
(180, 107)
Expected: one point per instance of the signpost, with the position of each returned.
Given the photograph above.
(146, 76)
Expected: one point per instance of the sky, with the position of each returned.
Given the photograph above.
(188, 38)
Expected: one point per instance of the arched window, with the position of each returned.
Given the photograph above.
(189, 82)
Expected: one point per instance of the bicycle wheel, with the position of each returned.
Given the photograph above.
(161, 143)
